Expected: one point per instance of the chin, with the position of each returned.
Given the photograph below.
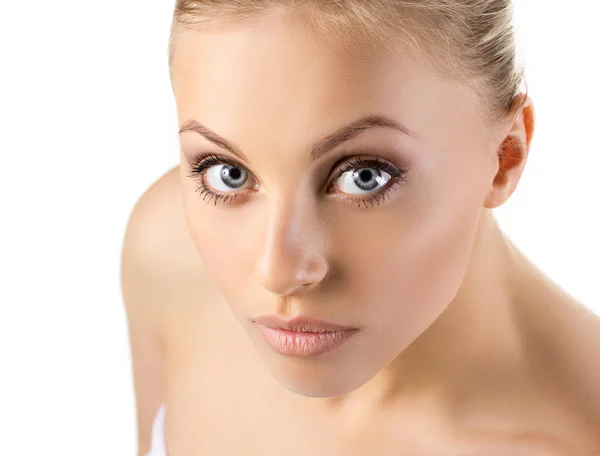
(310, 383)
(318, 377)
(317, 390)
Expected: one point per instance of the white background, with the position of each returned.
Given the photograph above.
(87, 122)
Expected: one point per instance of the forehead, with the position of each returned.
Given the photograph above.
(276, 72)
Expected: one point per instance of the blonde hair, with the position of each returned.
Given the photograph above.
(471, 41)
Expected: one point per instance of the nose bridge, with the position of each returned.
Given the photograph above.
(291, 253)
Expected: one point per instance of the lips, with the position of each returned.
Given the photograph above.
(300, 324)
(302, 336)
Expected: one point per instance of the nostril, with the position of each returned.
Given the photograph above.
(300, 288)
(304, 286)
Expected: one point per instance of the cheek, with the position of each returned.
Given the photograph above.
(433, 264)
(418, 258)
(223, 244)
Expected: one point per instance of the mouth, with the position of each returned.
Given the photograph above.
(302, 336)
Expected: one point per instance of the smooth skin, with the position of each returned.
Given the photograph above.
(464, 345)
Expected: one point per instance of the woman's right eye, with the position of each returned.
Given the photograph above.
(220, 179)
(225, 178)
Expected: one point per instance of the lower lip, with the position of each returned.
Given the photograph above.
(303, 344)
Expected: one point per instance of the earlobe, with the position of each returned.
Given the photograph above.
(512, 152)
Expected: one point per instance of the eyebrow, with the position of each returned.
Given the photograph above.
(321, 147)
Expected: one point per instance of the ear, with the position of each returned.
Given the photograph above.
(513, 151)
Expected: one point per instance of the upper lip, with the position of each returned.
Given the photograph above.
(299, 324)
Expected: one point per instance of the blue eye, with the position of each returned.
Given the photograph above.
(220, 179)
(225, 178)
(362, 180)
(374, 178)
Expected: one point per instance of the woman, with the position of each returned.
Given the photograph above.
(323, 274)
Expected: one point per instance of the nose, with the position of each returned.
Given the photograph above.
(291, 256)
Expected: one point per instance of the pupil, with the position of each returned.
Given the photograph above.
(235, 173)
(365, 175)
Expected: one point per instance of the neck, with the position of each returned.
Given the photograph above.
(468, 350)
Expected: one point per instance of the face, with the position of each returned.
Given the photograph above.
(371, 229)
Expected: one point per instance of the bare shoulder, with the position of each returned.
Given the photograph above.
(564, 345)
(167, 261)
(157, 225)
(581, 360)
(160, 270)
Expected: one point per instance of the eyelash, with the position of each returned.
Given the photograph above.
(196, 172)
(397, 176)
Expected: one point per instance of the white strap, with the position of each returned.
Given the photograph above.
(157, 441)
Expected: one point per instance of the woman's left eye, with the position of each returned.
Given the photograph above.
(362, 180)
